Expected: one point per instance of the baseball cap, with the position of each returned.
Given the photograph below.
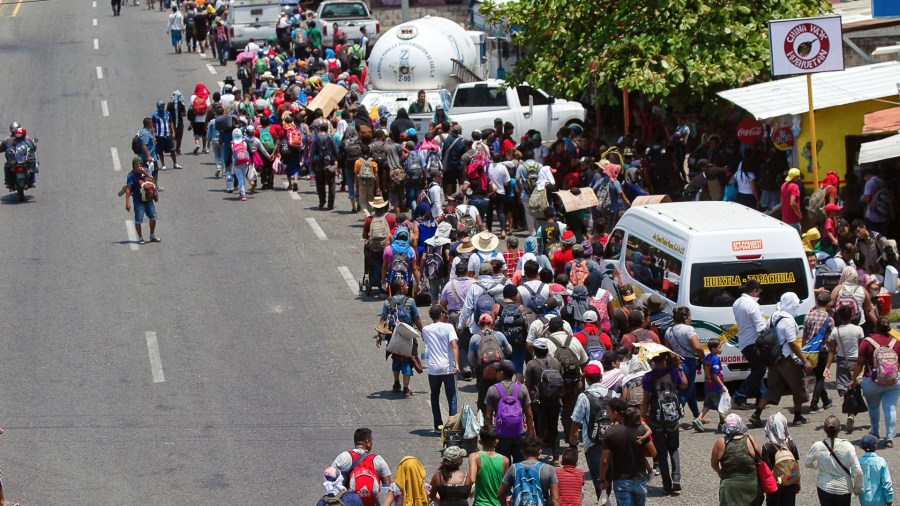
(485, 268)
(655, 303)
(792, 174)
(485, 318)
(568, 237)
(869, 442)
(832, 207)
(593, 369)
(541, 343)
(506, 367)
(589, 316)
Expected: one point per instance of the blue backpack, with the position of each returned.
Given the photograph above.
(527, 490)
(485, 301)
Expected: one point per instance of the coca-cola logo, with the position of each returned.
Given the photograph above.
(749, 131)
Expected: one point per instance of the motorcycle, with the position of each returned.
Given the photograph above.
(22, 170)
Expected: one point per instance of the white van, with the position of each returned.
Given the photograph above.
(698, 254)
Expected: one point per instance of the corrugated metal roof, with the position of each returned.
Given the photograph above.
(882, 149)
(830, 89)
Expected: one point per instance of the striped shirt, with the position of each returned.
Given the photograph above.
(571, 482)
(161, 124)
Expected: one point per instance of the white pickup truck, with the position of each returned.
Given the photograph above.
(350, 15)
(476, 105)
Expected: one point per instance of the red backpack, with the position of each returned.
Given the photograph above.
(241, 154)
(199, 107)
(362, 478)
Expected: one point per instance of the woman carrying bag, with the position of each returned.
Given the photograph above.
(734, 458)
(839, 470)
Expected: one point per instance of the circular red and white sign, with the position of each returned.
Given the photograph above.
(783, 138)
(749, 131)
(806, 46)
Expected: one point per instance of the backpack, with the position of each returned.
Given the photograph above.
(433, 162)
(283, 147)
(531, 176)
(537, 202)
(665, 402)
(489, 353)
(399, 313)
(512, 324)
(425, 196)
(299, 36)
(434, 262)
(268, 142)
(353, 149)
(476, 171)
(362, 478)
(335, 500)
(485, 301)
(398, 176)
(593, 345)
(847, 299)
(355, 59)
(221, 34)
(366, 172)
(578, 272)
(136, 144)
(598, 421)
(379, 231)
(400, 266)
(886, 364)
(508, 417)
(149, 192)
(527, 490)
(768, 344)
(634, 392)
(466, 219)
(537, 302)
(199, 106)
(242, 73)
(604, 199)
(241, 153)
(602, 309)
(883, 203)
(414, 169)
(260, 67)
(571, 369)
(815, 204)
(888, 253)
(378, 152)
(551, 387)
(786, 469)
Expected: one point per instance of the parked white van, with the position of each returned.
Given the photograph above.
(698, 254)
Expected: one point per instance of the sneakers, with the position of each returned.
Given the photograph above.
(676, 488)
(196, 148)
(205, 151)
(828, 404)
(178, 167)
(799, 420)
(698, 425)
(163, 168)
(813, 410)
(141, 240)
(740, 403)
(153, 238)
(850, 422)
(243, 198)
(294, 187)
(406, 393)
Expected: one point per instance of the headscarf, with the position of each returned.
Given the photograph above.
(334, 482)
(809, 237)
(398, 245)
(177, 98)
(329, 54)
(733, 426)
(423, 215)
(578, 302)
(402, 114)
(777, 430)
(201, 91)
(850, 278)
(612, 170)
(530, 245)
(410, 477)
(430, 144)
(361, 118)
(631, 175)
(350, 134)
(830, 179)
(789, 304)
(384, 112)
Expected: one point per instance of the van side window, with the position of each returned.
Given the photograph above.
(614, 245)
(653, 267)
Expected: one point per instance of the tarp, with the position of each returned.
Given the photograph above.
(887, 120)
(327, 99)
(883, 149)
(585, 200)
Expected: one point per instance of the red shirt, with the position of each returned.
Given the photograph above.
(788, 215)
(582, 337)
(629, 339)
(391, 220)
(512, 260)
(560, 259)
(571, 483)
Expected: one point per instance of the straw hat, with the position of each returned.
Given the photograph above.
(379, 202)
(485, 241)
(465, 245)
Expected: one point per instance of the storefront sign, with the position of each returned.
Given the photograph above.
(783, 138)
(805, 46)
(749, 131)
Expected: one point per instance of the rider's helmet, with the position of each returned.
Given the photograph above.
(20, 133)
(13, 126)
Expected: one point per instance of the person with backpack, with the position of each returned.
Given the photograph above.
(336, 494)
(510, 320)
(850, 293)
(590, 415)
(530, 482)
(349, 152)
(661, 408)
(196, 113)
(748, 317)
(144, 202)
(877, 486)
(682, 339)
(817, 327)
(636, 333)
(366, 174)
(877, 360)
(377, 233)
(840, 474)
(324, 158)
(543, 378)
(452, 150)
(443, 362)
(781, 347)
(571, 356)
(595, 342)
(364, 472)
(507, 408)
(877, 250)
(242, 161)
(221, 38)
(399, 308)
(487, 349)
(399, 261)
(579, 268)
(481, 298)
(528, 174)
(781, 455)
(467, 215)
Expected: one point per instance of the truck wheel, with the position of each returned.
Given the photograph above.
(576, 122)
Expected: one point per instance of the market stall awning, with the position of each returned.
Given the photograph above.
(887, 120)
(882, 149)
(788, 96)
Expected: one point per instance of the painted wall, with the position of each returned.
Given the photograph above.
(832, 125)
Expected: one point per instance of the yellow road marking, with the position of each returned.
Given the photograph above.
(16, 10)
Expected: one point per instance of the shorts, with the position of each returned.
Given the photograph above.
(786, 376)
(403, 365)
(164, 145)
(176, 37)
(142, 208)
(199, 128)
(711, 399)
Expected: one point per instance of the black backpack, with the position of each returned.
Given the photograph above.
(136, 144)
(598, 420)
(551, 386)
(768, 345)
(512, 324)
(571, 369)
(242, 73)
(378, 152)
(665, 401)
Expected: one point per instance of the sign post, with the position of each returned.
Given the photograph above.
(807, 46)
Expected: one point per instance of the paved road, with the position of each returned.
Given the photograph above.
(229, 363)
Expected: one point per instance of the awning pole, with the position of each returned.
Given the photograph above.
(812, 132)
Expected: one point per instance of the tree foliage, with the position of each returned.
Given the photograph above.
(655, 47)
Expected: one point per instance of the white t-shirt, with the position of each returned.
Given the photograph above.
(787, 331)
(437, 337)
(846, 340)
(498, 175)
(436, 194)
(471, 211)
(479, 257)
(743, 180)
(535, 285)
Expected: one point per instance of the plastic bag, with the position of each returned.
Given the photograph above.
(472, 421)
(725, 403)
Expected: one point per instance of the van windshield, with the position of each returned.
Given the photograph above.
(718, 284)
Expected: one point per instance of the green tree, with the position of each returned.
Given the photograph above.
(655, 47)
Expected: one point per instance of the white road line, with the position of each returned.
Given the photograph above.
(211, 69)
(317, 229)
(221, 84)
(96, 43)
(117, 164)
(132, 234)
(349, 279)
(295, 195)
(94, 4)
(105, 107)
(155, 362)
(95, 21)
(99, 72)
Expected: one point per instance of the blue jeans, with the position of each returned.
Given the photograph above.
(435, 382)
(630, 492)
(218, 153)
(878, 396)
(142, 208)
(592, 456)
(222, 51)
(666, 439)
(482, 206)
(753, 385)
(412, 191)
(239, 171)
(348, 180)
(497, 203)
(689, 394)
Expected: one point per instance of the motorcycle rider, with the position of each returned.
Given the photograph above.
(17, 137)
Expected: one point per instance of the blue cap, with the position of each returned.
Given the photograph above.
(869, 442)
(411, 132)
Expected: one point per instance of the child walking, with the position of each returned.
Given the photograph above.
(714, 384)
(877, 487)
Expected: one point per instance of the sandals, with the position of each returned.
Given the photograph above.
(888, 443)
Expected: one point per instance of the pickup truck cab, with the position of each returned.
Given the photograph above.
(395, 100)
(475, 105)
(350, 15)
(251, 19)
